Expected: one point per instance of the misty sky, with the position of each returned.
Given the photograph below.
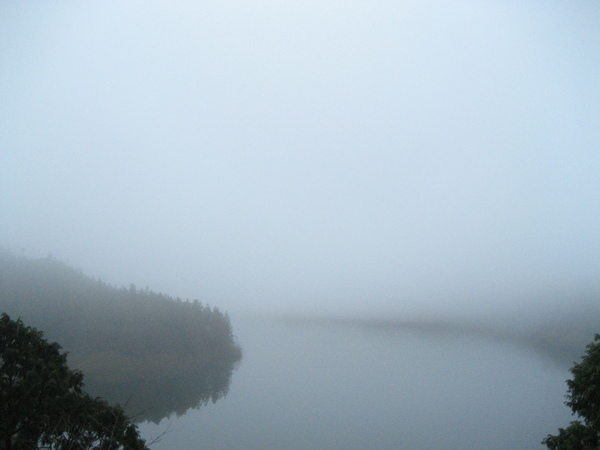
(307, 156)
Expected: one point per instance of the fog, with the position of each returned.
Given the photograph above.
(380, 158)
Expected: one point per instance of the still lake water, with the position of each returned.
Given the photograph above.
(303, 386)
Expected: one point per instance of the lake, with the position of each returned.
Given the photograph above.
(320, 386)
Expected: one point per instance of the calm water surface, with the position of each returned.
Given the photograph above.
(315, 386)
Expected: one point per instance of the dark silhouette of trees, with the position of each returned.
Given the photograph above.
(42, 403)
(152, 353)
(583, 397)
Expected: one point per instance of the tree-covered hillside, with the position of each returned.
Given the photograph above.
(133, 345)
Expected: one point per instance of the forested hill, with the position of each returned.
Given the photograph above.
(117, 335)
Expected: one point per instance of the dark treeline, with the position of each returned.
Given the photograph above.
(158, 354)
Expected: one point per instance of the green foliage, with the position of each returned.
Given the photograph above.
(583, 397)
(42, 404)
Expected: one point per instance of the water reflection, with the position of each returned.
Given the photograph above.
(152, 395)
(323, 386)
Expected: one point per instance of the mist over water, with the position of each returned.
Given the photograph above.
(416, 163)
(326, 386)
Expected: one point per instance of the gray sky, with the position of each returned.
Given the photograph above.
(307, 156)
